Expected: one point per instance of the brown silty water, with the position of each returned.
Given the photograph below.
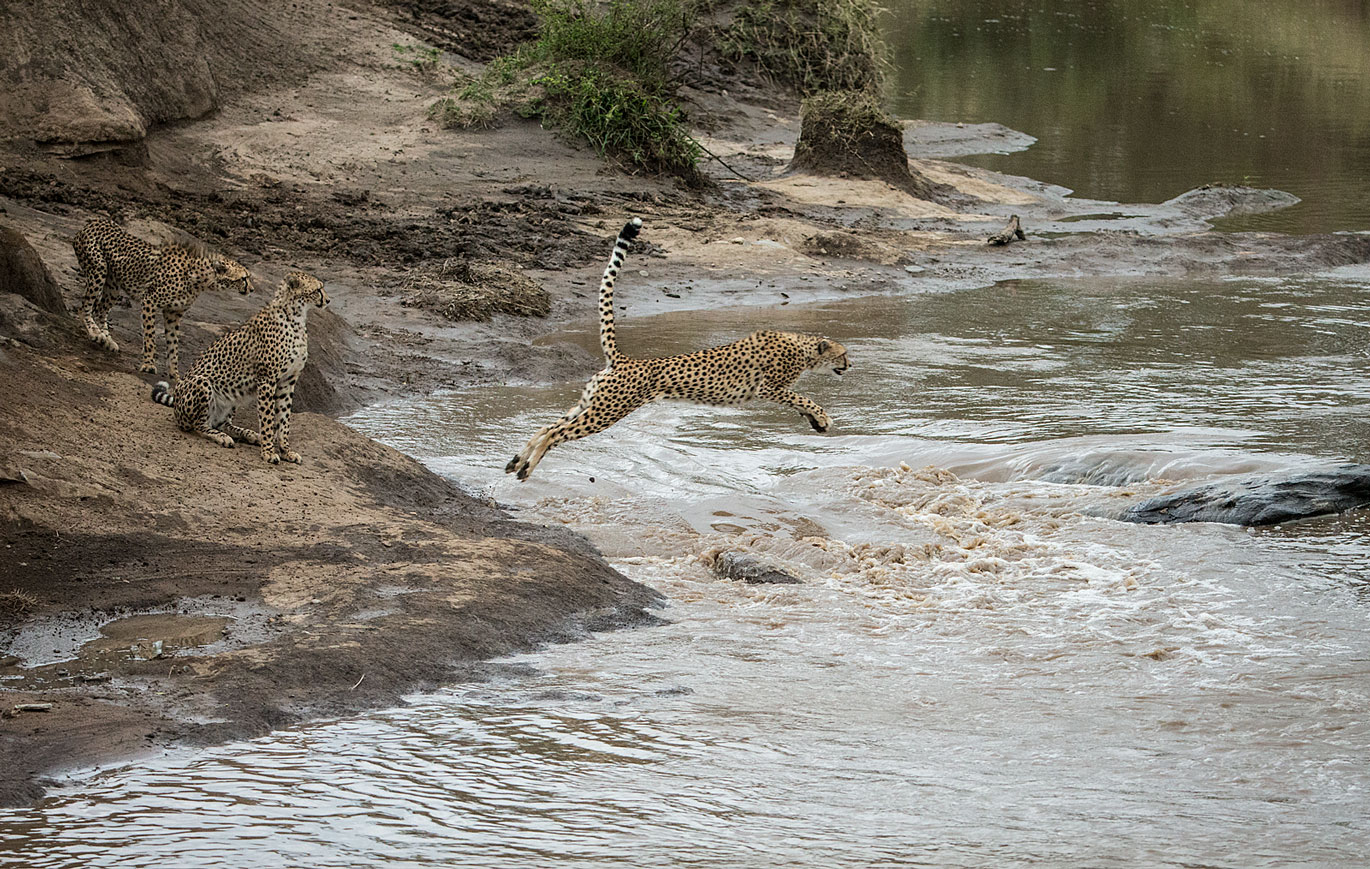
(978, 667)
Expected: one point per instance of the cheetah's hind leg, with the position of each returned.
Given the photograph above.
(201, 411)
(520, 464)
(583, 420)
(96, 304)
(243, 435)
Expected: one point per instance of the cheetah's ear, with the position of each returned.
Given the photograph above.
(293, 280)
(823, 347)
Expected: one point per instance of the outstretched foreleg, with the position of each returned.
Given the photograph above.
(817, 417)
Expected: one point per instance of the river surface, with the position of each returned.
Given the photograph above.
(979, 668)
(1140, 101)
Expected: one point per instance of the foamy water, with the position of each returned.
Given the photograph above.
(977, 669)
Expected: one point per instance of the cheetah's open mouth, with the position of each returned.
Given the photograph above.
(840, 371)
(244, 285)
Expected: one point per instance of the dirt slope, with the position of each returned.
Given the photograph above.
(278, 592)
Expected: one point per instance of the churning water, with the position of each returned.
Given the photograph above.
(978, 669)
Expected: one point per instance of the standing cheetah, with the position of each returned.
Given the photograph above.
(165, 278)
(265, 355)
(762, 365)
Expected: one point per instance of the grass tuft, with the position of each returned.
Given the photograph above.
(422, 59)
(460, 290)
(15, 606)
(813, 45)
(596, 71)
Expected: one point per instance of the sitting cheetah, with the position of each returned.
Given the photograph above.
(264, 355)
(762, 365)
(165, 278)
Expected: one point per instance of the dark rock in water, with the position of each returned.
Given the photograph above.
(1229, 200)
(748, 569)
(1260, 500)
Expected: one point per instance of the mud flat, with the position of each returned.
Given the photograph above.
(159, 590)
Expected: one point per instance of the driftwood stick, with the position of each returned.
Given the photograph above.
(1011, 231)
(725, 165)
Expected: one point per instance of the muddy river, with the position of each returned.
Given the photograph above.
(979, 667)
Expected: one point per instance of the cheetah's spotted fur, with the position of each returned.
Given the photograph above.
(164, 278)
(265, 355)
(762, 365)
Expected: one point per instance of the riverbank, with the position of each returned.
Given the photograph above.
(281, 595)
(159, 591)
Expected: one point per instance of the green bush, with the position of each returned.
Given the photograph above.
(814, 45)
(600, 72)
(638, 37)
(622, 119)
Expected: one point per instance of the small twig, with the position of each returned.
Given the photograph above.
(359, 681)
(720, 160)
(33, 707)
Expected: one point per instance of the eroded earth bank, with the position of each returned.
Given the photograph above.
(158, 590)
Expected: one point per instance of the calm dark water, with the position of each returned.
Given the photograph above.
(1140, 101)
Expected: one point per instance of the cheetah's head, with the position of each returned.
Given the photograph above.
(303, 288)
(230, 272)
(828, 352)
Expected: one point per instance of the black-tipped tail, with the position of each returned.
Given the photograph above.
(161, 393)
(631, 229)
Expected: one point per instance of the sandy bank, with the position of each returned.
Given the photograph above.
(160, 589)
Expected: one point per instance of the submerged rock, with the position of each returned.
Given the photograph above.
(1260, 500)
(1230, 200)
(748, 569)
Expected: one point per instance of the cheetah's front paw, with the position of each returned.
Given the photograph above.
(292, 457)
(820, 423)
(150, 368)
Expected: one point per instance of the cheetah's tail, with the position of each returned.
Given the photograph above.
(161, 393)
(606, 288)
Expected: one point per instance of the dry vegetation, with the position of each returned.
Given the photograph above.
(459, 290)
